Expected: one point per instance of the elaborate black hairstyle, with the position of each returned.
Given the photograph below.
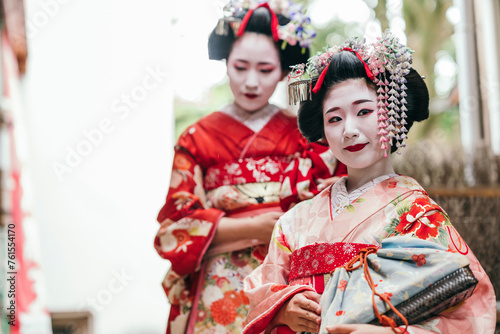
(344, 66)
(219, 46)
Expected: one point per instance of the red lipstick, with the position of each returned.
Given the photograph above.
(355, 148)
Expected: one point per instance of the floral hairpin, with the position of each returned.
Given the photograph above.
(298, 31)
(386, 61)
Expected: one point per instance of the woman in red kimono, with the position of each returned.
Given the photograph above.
(365, 98)
(235, 171)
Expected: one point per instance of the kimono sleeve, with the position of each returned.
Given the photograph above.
(187, 226)
(267, 286)
(424, 219)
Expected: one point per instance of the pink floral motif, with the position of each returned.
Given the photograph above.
(342, 285)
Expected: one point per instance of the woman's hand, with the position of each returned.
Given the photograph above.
(263, 225)
(301, 313)
(258, 227)
(359, 329)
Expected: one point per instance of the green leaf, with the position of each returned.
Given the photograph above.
(443, 237)
(350, 208)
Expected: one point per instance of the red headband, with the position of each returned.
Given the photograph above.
(274, 21)
(369, 73)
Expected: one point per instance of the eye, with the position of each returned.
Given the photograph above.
(239, 68)
(334, 119)
(266, 70)
(364, 112)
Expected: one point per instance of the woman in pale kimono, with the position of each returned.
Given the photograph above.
(365, 98)
(235, 171)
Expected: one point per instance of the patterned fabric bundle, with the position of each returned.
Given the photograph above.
(404, 271)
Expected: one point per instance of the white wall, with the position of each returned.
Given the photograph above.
(96, 208)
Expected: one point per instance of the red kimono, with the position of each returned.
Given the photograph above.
(223, 168)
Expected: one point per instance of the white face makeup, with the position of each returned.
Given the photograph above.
(254, 70)
(351, 129)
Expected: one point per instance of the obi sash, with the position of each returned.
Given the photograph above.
(322, 258)
(247, 170)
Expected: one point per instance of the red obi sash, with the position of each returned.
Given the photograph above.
(323, 258)
(317, 260)
(248, 170)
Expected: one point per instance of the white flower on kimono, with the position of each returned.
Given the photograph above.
(177, 178)
(260, 177)
(286, 188)
(329, 258)
(211, 177)
(182, 198)
(211, 294)
(233, 169)
(405, 182)
(305, 166)
(199, 191)
(271, 167)
(290, 167)
(195, 227)
(168, 242)
(348, 248)
(307, 254)
(329, 160)
(175, 286)
(219, 329)
(219, 269)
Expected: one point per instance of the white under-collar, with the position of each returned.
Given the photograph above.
(341, 198)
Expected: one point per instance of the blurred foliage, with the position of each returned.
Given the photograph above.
(428, 33)
(188, 112)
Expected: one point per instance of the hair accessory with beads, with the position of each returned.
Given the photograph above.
(298, 31)
(386, 62)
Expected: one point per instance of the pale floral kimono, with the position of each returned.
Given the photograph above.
(318, 235)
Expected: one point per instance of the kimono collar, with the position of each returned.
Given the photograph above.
(340, 198)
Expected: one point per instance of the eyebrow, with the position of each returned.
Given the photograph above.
(355, 103)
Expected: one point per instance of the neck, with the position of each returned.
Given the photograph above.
(360, 176)
(237, 109)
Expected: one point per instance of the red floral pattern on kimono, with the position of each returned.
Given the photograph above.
(223, 168)
(396, 206)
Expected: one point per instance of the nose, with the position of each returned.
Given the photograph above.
(350, 128)
(252, 80)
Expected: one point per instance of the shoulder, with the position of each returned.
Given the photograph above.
(303, 210)
(205, 125)
(403, 184)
